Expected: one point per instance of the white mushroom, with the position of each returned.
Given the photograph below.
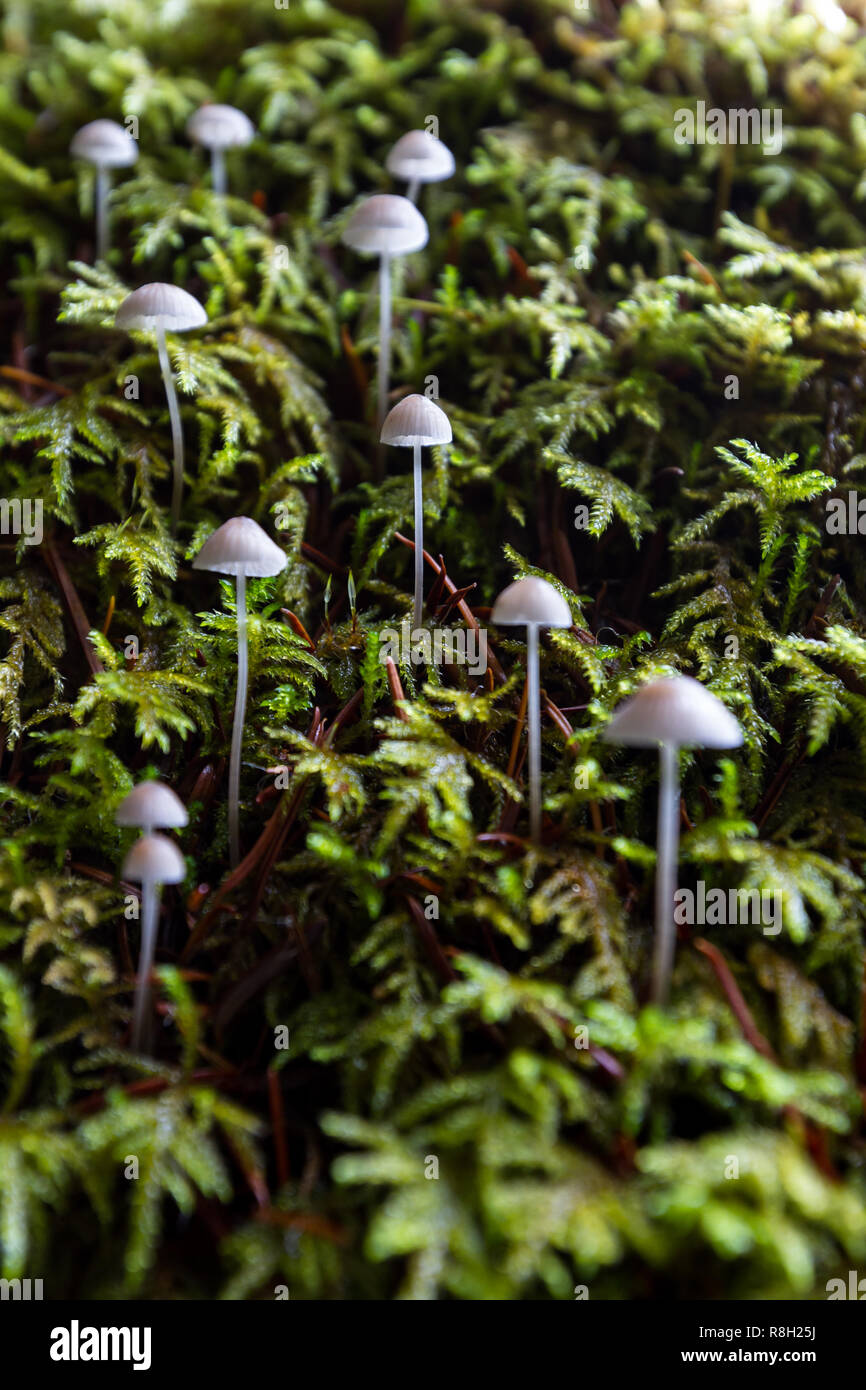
(239, 547)
(671, 713)
(385, 225)
(152, 805)
(219, 128)
(419, 157)
(106, 145)
(159, 308)
(534, 603)
(414, 422)
(152, 861)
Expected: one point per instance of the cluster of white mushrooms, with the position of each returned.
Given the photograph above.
(668, 713)
(387, 225)
(107, 145)
(152, 861)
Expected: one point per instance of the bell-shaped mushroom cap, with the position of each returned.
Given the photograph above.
(105, 144)
(220, 127)
(240, 546)
(154, 859)
(675, 710)
(531, 601)
(151, 803)
(419, 157)
(386, 224)
(416, 420)
(176, 309)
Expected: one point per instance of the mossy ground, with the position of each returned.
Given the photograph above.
(668, 336)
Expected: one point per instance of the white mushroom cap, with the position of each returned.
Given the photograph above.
(220, 127)
(386, 224)
(416, 420)
(152, 803)
(675, 710)
(176, 309)
(419, 157)
(154, 859)
(105, 144)
(240, 546)
(531, 601)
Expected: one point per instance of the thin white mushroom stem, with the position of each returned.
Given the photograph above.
(174, 416)
(419, 540)
(218, 172)
(666, 869)
(149, 910)
(384, 336)
(533, 724)
(238, 725)
(412, 190)
(103, 185)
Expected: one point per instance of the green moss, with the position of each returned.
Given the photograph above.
(659, 342)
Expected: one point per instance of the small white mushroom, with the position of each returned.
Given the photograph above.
(532, 603)
(159, 308)
(414, 422)
(385, 225)
(152, 805)
(106, 145)
(419, 157)
(219, 128)
(152, 861)
(239, 547)
(671, 713)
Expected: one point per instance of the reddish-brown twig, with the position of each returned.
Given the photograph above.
(73, 603)
(738, 1004)
(278, 1126)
